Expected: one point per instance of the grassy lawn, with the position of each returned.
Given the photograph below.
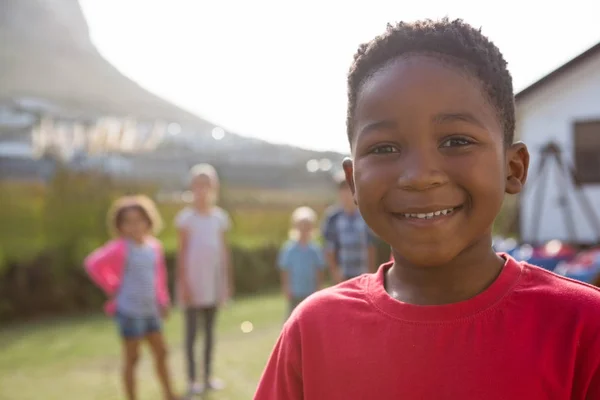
(79, 358)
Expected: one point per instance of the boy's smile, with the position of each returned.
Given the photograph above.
(427, 216)
(430, 167)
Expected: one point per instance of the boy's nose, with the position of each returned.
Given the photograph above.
(421, 171)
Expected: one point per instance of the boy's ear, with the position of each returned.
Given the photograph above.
(349, 173)
(517, 159)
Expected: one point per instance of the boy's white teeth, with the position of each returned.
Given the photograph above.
(429, 215)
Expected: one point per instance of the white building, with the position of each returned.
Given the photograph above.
(563, 107)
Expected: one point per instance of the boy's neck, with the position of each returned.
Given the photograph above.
(466, 276)
(304, 240)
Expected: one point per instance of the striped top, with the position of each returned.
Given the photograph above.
(137, 295)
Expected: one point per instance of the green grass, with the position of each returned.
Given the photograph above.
(80, 358)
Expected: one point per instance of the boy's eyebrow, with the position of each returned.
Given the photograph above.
(376, 125)
(440, 118)
(458, 116)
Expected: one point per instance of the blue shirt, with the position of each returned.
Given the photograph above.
(137, 293)
(302, 263)
(349, 237)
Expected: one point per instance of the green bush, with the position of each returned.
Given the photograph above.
(46, 231)
(255, 268)
(39, 291)
(21, 231)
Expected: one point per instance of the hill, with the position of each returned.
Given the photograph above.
(49, 66)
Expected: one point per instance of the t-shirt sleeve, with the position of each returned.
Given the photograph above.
(225, 220)
(282, 377)
(283, 259)
(182, 219)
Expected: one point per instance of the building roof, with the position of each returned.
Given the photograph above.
(560, 71)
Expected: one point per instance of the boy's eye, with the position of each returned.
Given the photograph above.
(456, 142)
(385, 149)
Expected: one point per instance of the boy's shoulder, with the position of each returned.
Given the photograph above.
(559, 304)
(332, 212)
(288, 245)
(339, 301)
(538, 292)
(548, 289)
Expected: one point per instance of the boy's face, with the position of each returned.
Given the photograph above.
(304, 227)
(429, 168)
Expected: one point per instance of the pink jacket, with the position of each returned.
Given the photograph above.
(105, 268)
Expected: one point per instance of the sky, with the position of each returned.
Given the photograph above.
(276, 70)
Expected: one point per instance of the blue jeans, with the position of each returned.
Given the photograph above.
(137, 327)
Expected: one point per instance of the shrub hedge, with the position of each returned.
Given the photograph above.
(46, 231)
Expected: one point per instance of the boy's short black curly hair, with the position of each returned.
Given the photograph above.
(455, 42)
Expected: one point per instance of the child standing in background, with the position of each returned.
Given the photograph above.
(301, 260)
(131, 271)
(349, 243)
(204, 273)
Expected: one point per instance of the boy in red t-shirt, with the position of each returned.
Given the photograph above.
(431, 121)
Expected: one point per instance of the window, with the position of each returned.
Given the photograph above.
(587, 151)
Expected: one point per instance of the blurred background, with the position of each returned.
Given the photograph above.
(101, 98)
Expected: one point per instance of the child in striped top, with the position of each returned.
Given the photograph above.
(131, 271)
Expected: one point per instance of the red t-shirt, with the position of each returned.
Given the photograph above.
(530, 335)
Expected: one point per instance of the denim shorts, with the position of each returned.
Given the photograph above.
(137, 327)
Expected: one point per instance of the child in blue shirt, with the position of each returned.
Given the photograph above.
(301, 259)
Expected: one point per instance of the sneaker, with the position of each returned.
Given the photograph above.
(196, 389)
(215, 384)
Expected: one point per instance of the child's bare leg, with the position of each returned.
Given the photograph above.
(131, 349)
(159, 351)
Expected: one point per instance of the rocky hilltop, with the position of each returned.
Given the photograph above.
(49, 66)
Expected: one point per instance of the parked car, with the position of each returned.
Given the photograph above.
(585, 267)
(551, 254)
(547, 256)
